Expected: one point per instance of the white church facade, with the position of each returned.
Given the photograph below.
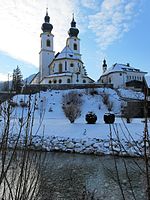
(65, 67)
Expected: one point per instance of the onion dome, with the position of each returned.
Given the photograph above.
(46, 26)
(73, 31)
(104, 63)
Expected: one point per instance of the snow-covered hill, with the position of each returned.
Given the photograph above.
(50, 120)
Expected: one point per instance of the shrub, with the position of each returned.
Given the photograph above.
(23, 104)
(94, 92)
(105, 98)
(13, 104)
(91, 118)
(71, 105)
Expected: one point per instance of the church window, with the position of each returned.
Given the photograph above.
(53, 68)
(71, 65)
(120, 74)
(102, 81)
(60, 67)
(48, 43)
(65, 65)
(75, 46)
(50, 81)
(68, 80)
(55, 81)
(109, 80)
(60, 81)
(84, 81)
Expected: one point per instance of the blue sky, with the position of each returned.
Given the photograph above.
(117, 30)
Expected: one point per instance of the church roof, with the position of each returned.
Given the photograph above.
(122, 68)
(66, 53)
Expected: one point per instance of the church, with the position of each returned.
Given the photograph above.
(65, 67)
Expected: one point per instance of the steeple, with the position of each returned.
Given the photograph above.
(73, 31)
(47, 51)
(46, 26)
(73, 23)
(104, 66)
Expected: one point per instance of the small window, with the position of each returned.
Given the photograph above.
(60, 68)
(75, 46)
(55, 81)
(84, 81)
(109, 80)
(68, 80)
(50, 81)
(77, 80)
(48, 43)
(120, 74)
(71, 65)
(65, 65)
(60, 81)
(102, 81)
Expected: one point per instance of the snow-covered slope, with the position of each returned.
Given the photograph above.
(50, 120)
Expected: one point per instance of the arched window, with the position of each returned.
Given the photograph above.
(48, 43)
(68, 80)
(55, 81)
(84, 81)
(75, 46)
(60, 81)
(60, 68)
(50, 81)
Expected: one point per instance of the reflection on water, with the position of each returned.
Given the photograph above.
(66, 176)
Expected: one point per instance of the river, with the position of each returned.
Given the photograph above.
(71, 176)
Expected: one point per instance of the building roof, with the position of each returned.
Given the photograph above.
(122, 68)
(66, 53)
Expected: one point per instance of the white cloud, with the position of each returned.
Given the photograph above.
(4, 77)
(112, 21)
(21, 22)
(91, 4)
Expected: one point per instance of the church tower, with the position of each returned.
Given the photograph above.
(46, 54)
(104, 66)
(73, 41)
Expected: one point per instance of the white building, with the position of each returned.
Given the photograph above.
(64, 67)
(120, 75)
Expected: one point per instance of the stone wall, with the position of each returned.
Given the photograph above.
(36, 88)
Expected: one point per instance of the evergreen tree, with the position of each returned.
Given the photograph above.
(17, 81)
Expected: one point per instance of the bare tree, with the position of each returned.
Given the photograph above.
(20, 165)
(71, 105)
